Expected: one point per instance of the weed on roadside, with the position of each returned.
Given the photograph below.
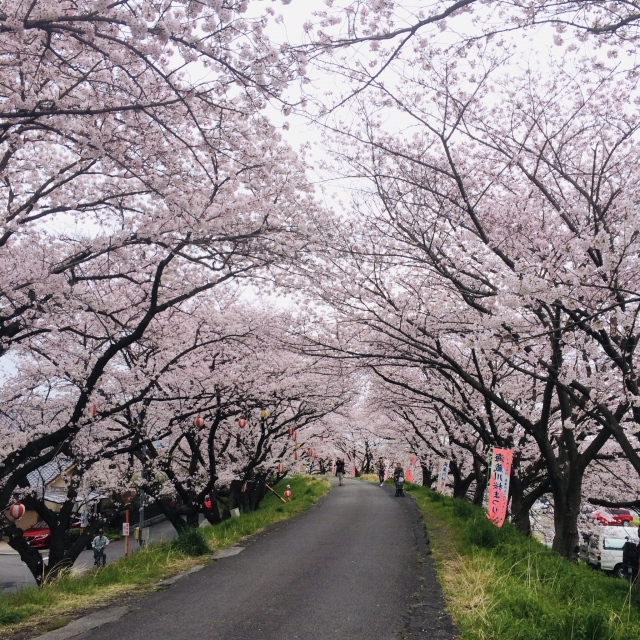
(501, 585)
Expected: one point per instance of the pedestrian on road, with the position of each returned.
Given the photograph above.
(630, 559)
(340, 471)
(98, 544)
(381, 469)
(398, 478)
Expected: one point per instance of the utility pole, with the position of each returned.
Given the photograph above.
(142, 499)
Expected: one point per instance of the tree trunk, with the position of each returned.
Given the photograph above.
(567, 496)
(428, 479)
(520, 508)
(481, 483)
(460, 485)
(173, 515)
(247, 495)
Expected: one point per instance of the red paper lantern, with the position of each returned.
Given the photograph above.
(294, 437)
(295, 455)
(309, 452)
(280, 467)
(287, 494)
(16, 511)
(199, 422)
(93, 409)
(315, 457)
(242, 423)
(291, 430)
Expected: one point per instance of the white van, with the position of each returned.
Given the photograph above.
(603, 547)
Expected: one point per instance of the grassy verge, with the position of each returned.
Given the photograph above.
(54, 604)
(500, 585)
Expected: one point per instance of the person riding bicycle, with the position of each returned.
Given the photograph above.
(98, 544)
(398, 478)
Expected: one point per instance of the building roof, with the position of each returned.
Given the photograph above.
(47, 473)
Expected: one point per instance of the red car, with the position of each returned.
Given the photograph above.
(38, 536)
(613, 517)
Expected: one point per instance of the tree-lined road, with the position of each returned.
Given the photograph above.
(346, 569)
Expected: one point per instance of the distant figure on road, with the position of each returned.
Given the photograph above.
(630, 557)
(398, 478)
(381, 469)
(98, 544)
(340, 471)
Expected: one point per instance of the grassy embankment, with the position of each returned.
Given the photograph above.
(500, 585)
(54, 605)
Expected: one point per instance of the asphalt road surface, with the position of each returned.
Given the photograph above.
(347, 569)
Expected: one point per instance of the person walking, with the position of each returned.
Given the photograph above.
(380, 466)
(98, 544)
(340, 471)
(630, 557)
(398, 479)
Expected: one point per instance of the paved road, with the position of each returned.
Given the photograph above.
(14, 574)
(347, 569)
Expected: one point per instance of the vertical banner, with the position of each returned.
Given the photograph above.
(386, 469)
(443, 472)
(353, 467)
(333, 467)
(499, 485)
(408, 476)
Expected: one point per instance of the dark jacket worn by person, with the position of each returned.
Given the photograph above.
(339, 466)
(630, 554)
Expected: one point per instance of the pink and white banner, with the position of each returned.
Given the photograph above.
(498, 497)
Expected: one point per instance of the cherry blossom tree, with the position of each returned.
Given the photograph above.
(465, 253)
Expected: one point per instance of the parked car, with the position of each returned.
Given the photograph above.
(602, 549)
(38, 536)
(614, 517)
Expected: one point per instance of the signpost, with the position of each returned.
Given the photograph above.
(125, 528)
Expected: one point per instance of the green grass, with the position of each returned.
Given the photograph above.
(55, 602)
(501, 585)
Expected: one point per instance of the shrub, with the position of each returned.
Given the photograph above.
(464, 510)
(483, 533)
(191, 542)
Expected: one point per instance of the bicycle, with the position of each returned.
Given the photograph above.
(99, 557)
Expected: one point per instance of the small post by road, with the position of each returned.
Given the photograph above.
(141, 519)
(125, 532)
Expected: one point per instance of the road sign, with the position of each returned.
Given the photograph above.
(125, 528)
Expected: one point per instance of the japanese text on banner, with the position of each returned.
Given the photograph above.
(498, 497)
